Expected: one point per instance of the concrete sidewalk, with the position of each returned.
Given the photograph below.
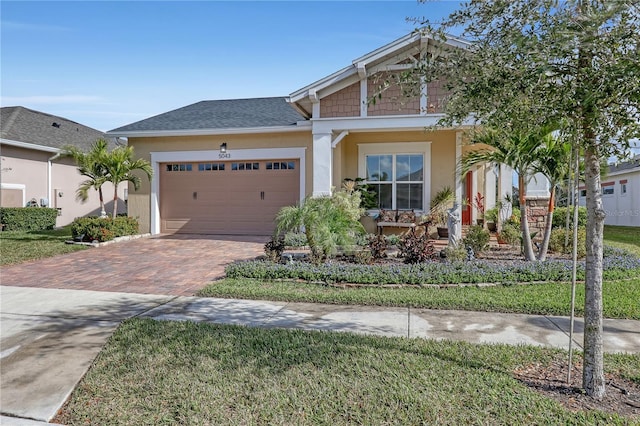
(50, 337)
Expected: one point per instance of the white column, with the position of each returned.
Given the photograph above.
(322, 168)
(489, 187)
(505, 190)
(538, 186)
(458, 183)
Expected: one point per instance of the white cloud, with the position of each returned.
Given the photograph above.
(25, 26)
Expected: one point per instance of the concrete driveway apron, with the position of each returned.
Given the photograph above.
(170, 265)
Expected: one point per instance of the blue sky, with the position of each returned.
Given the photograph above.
(107, 64)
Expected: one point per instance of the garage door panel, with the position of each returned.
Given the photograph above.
(225, 201)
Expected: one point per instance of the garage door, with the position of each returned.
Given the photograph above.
(234, 198)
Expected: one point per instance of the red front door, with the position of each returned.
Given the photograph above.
(467, 188)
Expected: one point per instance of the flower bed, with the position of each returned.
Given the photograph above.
(618, 264)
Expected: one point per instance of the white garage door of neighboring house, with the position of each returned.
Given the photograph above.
(230, 197)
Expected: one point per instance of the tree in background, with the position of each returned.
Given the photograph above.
(535, 62)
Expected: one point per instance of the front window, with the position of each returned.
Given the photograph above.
(398, 180)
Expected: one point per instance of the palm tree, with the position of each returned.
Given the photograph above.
(515, 148)
(553, 160)
(328, 221)
(91, 165)
(120, 165)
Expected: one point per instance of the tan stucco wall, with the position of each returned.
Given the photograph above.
(140, 201)
(29, 168)
(443, 154)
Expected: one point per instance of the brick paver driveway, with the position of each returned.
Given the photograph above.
(175, 265)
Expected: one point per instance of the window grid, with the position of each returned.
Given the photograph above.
(179, 167)
(281, 165)
(397, 179)
(205, 167)
(245, 166)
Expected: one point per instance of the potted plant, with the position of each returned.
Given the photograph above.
(491, 216)
(441, 202)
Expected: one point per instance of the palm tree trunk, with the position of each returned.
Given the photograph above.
(524, 220)
(103, 213)
(115, 201)
(542, 254)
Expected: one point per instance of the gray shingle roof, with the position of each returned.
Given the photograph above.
(627, 165)
(221, 114)
(22, 124)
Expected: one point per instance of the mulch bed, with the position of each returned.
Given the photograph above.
(622, 395)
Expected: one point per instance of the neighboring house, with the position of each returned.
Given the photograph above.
(620, 193)
(228, 166)
(33, 168)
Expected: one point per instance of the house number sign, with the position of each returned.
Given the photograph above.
(224, 155)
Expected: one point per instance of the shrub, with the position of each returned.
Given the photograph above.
(28, 218)
(103, 228)
(560, 217)
(378, 245)
(273, 248)
(514, 219)
(393, 239)
(416, 248)
(558, 237)
(295, 239)
(477, 238)
(509, 234)
(455, 254)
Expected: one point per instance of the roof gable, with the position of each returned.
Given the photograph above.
(220, 114)
(397, 54)
(27, 126)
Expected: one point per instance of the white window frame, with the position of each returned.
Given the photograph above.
(398, 148)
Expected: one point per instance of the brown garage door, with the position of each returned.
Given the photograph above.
(236, 198)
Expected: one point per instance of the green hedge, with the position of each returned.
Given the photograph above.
(28, 218)
(103, 229)
(560, 217)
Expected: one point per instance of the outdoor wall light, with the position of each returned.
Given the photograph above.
(223, 148)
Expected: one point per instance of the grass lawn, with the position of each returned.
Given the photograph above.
(544, 299)
(624, 237)
(160, 372)
(19, 246)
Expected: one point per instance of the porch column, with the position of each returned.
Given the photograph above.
(489, 187)
(458, 183)
(505, 190)
(322, 168)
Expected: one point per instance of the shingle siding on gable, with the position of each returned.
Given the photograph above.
(393, 101)
(436, 96)
(343, 103)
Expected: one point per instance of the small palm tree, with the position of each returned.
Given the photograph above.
(91, 165)
(328, 222)
(120, 167)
